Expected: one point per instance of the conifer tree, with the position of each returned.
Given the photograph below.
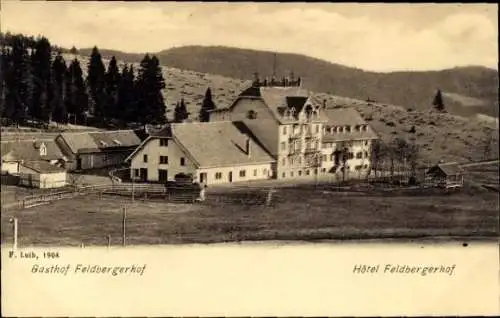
(96, 83)
(127, 110)
(206, 106)
(40, 107)
(18, 88)
(76, 97)
(4, 71)
(59, 113)
(149, 86)
(180, 112)
(112, 83)
(438, 101)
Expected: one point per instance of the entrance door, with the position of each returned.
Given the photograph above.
(163, 175)
(230, 176)
(143, 174)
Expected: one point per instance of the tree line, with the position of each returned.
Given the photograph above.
(37, 84)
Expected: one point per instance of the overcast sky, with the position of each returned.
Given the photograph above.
(380, 37)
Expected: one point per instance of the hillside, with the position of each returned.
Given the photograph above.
(441, 136)
(413, 90)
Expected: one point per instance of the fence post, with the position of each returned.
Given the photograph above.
(124, 209)
(109, 240)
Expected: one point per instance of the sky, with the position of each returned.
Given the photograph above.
(377, 37)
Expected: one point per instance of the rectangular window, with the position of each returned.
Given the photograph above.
(163, 142)
(255, 172)
(242, 173)
(264, 172)
(359, 155)
(145, 158)
(183, 161)
(307, 172)
(283, 145)
(366, 154)
(218, 175)
(283, 175)
(300, 173)
(136, 173)
(317, 128)
(164, 160)
(291, 174)
(323, 170)
(348, 128)
(325, 158)
(351, 155)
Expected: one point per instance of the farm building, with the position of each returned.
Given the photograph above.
(213, 153)
(446, 175)
(41, 174)
(347, 141)
(16, 152)
(88, 150)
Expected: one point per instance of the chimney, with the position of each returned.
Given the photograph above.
(248, 146)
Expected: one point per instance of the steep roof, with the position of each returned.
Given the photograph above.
(42, 167)
(218, 144)
(450, 168)
(346, 117)
(29, 150)
(89, 142)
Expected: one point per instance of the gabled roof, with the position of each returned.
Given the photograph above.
(29, 150)
(218, 144)
(42, 167)
(89, 142)
(451, 168)
(165, 132)
(346, 117)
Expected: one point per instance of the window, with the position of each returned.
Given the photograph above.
(255, 172)
(218, 175)
(291, 174)
(164, 160)
(264, 172)
(323, 170)
(283, 175)
(308, 172)
(251, 114)
(116, 141)
(366, 154)
(325, 158)
(300, 173)
(366, 143)
(136, 173)
(359, 155)
(357, 128)
(365, 166)
(299, 160)
(183, 161)
(364, 127)
(43, 150)
(145, 158)
(163, 142)
(351, 155)
(243, 173)
(317, 128)
(358, 167)
(341, 129)
(284, 130)
(283, 145)
(348, 128)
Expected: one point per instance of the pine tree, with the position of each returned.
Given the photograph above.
(207, 105)
(40, 107)
(149, 86)
(4, 71)
(438, 101)
(127, 110)
(18, 88)
(76, 98)
(96, 83)
(112, 83)
(58, 107)
(180, 112)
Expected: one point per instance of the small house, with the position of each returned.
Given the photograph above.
(14, 153)
(445, 175)
(41, 174)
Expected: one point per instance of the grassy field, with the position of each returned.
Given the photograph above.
(296, 214)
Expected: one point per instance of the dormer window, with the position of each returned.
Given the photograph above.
(43, 150)
(341, 129)
(358, 128)
(252, 114)
(117, 142)
(348, 128)
(364, 127)
(104, 144)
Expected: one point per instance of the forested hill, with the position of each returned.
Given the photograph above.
(467, 90)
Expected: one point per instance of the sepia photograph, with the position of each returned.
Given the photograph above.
(129, 125)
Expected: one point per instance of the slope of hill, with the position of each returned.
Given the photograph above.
(410, 89)
(440, 136)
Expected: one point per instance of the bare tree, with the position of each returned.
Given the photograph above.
(378, 154)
